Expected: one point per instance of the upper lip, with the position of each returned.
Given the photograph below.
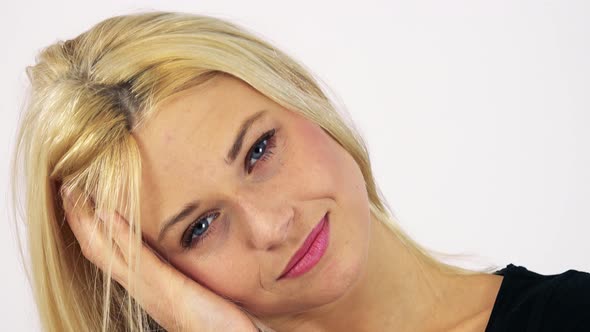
(305, 246)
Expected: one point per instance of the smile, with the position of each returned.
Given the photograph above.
(311, 251)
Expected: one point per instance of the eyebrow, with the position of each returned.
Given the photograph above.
(237, 146)
(232, 154)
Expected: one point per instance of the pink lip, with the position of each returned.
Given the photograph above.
(311, 251)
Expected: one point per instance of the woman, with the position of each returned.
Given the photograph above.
(207, 174)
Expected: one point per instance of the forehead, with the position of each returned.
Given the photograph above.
(204, 117)
(223, 97)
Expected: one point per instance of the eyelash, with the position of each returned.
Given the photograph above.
(187, 241)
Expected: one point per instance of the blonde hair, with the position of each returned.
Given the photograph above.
(88, 94)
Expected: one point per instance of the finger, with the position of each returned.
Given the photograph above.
(168, 295)
(89, 233)
(153, 273)
(151, 263)
(164, 292)
(79, 216)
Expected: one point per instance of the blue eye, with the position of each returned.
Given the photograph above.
(261, 150)
(194, 233)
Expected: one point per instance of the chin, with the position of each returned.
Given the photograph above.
(332, 283)
(339, 279)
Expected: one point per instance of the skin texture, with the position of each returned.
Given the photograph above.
(366, 281)
(265, 215)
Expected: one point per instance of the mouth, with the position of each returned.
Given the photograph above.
(310, 252)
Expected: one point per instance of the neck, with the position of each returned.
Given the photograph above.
(396, 292)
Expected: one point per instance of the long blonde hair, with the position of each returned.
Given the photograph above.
(87, 94)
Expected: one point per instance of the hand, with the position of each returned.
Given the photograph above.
(175, 301)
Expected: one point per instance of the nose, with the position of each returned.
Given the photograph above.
(266, 218)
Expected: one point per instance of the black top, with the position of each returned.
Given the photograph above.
(532, 302)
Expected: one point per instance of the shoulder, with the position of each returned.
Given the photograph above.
(529, 301)
(567, 305)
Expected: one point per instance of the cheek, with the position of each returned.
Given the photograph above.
(333, 171)
(329, 165)
(217, 272)
(312, 161)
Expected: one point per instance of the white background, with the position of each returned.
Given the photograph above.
(476, 113)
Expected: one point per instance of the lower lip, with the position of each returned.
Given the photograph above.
(313, 255)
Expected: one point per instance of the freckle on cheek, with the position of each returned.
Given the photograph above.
(167, 138)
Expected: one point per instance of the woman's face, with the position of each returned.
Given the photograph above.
(260, 207)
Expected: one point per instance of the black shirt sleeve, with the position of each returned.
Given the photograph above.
(531, 302)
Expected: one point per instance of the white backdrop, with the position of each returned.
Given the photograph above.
(476, 113)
